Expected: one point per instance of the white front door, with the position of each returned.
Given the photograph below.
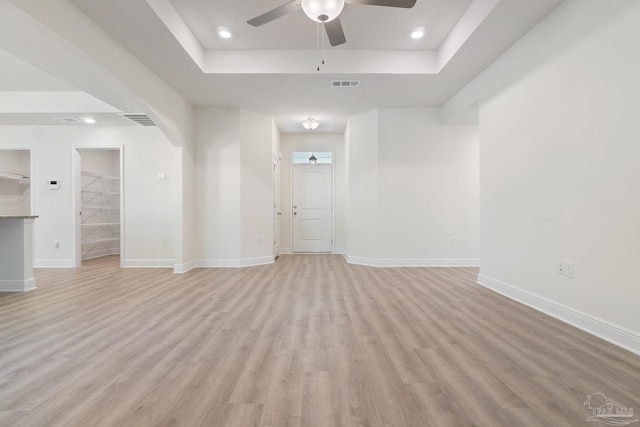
(276, 207)
(311, 208)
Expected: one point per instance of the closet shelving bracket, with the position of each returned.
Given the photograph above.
(22, 179)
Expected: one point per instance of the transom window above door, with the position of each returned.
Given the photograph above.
(323, 157)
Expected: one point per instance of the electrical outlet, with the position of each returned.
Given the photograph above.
(561, 268)
(453, 240)
(570, 270)
(56, 244)
(258, 240)
(566, 269)
(164, 241)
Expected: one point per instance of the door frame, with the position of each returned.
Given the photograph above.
(277, 163)
(76, 199)
(333, 192)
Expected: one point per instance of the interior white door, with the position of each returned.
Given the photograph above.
(276, 207)
(311, 208)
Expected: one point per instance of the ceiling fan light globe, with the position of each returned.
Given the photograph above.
(322, 10)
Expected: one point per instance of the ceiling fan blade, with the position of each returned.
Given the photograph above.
(335, 32)
(276, 13)
(407, 4)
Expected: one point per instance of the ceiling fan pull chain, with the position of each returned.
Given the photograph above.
(322, 36)
(318, 44)
(319, 48)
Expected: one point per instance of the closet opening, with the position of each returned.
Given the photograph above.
(99, 187)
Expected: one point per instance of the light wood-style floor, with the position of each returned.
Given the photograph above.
(308, 341)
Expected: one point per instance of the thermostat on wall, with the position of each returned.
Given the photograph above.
(53, 184)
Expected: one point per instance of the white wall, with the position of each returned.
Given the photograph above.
(234, 187)
(150, 204)
(256, 151)
(187, 233)
(560, 168)
(428, 183)
(149, 209)
(218, 183)
(413, 189)
(15, 197)
(317, 142)
(361, 223)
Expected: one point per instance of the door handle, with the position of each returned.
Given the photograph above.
(295, 213)
(279, 213)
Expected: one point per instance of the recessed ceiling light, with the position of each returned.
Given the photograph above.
(224, 33)
(418, 33)
(88, 120)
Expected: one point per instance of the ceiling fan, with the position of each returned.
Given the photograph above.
(325, 12)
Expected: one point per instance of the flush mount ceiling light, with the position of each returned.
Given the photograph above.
(418, 33)
(88, 120)
(322, 10)
(310, 124)
(224, 33)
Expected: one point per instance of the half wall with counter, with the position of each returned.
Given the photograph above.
(16, 253)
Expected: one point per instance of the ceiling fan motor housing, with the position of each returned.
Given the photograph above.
(322, 10)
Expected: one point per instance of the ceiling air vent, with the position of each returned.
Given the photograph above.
(345, 83)
(141, 119)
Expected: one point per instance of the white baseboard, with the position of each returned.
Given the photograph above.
(454, 262)
(17, 285)
(53, 263)
(615, 334)
(336, 251)
(358, 260)
(250, 262)
(148, 263)
(183, 268)
(223, 263)
(374, 262)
